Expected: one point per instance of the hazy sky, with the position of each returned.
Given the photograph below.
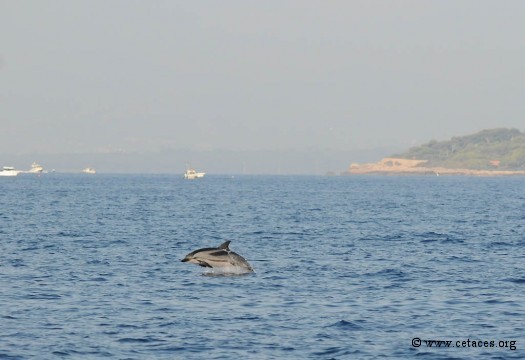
(104, 75)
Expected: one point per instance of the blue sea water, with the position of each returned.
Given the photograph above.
(346, 267)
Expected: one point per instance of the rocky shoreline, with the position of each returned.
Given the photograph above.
(395, 166)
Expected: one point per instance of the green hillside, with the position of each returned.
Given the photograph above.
(502, 149)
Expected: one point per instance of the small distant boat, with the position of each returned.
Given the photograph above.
(36, 168)
(9, 171)
(89, 170)
(191, 174)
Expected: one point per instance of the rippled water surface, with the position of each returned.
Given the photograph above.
(346, 267)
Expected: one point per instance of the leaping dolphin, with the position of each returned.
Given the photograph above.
(218, 257)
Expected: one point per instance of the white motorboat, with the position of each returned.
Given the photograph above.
(89, 170)
(36, 168)
(9, 171)
(191, 174)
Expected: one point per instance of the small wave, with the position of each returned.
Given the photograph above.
(487, 326)
(43, 296)
(173, 348)
(500, 244)
(69, 234)
(168, 324)
(497, 301)
(464, 258)
(329, 351)
(17, 263)
(118, 242)
(397, 273)
(135, 340)
(10, 357)
(97, 262)
(74, 353)
(336, 350)
(128, 326)
(31, 248)
(431, 236)
(345, 325)
(60, 353)
(248, 317)
(452, 240)
(388, 237)
(517, 280)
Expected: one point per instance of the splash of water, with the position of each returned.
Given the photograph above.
(227, 271)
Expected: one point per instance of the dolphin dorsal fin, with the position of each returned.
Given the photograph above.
(224, 245)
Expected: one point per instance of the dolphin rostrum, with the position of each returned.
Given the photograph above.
(218, 257)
